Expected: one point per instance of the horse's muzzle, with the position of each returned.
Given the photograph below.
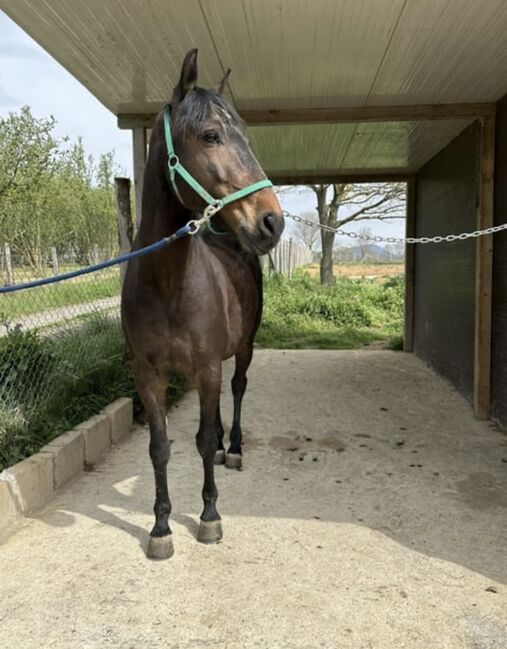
(269, 230)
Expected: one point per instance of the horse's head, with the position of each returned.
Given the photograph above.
(210, 142)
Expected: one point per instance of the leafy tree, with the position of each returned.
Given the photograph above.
(52, 193)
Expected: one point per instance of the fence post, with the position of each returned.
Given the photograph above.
(95, 253)
(290, 259)
(8, 264)
(54, 261)
(124, 216)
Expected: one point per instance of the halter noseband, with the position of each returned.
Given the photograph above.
(175, 167)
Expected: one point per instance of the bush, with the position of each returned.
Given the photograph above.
(300, 312)
(56, 382)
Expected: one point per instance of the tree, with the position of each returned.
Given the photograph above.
(365, 237)
(357, 202)
(51, 194)
(304, 233)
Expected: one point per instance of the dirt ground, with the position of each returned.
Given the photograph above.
(370, 514)
(360, 270)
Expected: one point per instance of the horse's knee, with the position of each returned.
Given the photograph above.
(206, 443)
(160, 451)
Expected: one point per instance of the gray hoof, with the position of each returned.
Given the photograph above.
(210, 532)
(233, 460)
(160, 547)
(220, 457)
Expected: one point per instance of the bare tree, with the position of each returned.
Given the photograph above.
(357, 202)
(366, 236)
(304, 233)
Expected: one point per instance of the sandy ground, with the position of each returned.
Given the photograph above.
(370, 514)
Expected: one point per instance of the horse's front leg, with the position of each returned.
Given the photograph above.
(208, 383)
(152, 391)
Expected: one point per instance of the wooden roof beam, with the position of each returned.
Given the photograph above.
(341, 114)
(328, 177)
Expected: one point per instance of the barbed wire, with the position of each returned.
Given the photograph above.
(377, 239)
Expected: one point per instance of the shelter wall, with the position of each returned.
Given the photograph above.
(499, 316)
(444, 274)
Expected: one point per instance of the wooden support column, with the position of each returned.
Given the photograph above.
(484, 271)
(410, 229)
(139, 151)
(124, 216)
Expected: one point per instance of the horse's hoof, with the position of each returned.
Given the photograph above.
(220, 456)
(233, 460)
(160, 547)
(210, 532)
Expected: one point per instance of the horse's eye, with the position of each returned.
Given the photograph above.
(211, 137)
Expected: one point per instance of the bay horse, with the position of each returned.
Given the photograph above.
(190, 306)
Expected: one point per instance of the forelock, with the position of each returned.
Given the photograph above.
(198, 107)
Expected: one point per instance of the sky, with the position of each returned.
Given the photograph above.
(30, 76)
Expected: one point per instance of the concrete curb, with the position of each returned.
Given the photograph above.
(30, 484)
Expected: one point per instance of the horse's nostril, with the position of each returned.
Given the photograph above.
(269, 222)
(271, 225)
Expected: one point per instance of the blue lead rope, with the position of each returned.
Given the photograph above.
(214, 205)
(158, 245)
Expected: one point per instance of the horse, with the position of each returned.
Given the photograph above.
(188, 307)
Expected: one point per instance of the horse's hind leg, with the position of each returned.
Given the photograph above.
(208, 384)
(219, 430)
(233, 457)
(152, 391)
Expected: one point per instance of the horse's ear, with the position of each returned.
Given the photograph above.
(221, 86)
(188, 77)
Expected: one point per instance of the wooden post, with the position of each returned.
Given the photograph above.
(484, 271)
(289, 261)
(54, 261)
(95, 254)
(124, 217)
(8, 264)
(139, 152)
(410, 229)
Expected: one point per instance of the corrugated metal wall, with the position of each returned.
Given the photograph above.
(444, 291)
(499, 327)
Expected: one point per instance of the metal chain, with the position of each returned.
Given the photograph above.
(377, 239)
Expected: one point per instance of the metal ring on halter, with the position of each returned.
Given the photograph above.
(194, 226)
(173, 161)
(212, 209)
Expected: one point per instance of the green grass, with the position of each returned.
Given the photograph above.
(51, 384)
(77, 291)
(300, 313)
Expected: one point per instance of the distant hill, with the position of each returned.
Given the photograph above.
(367, 253)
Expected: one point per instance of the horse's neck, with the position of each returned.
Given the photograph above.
(162, 213)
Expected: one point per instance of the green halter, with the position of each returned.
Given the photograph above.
(175, 167)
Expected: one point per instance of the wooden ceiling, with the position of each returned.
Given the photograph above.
(289, 56)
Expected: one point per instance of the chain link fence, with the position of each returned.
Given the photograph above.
(61, 349)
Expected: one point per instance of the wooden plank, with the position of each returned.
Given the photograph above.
(329, 176)
(124, 218)
(484, 271)
(338, 114)
(139, 153)
(410, 228)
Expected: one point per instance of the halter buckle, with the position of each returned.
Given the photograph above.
(173, 161)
